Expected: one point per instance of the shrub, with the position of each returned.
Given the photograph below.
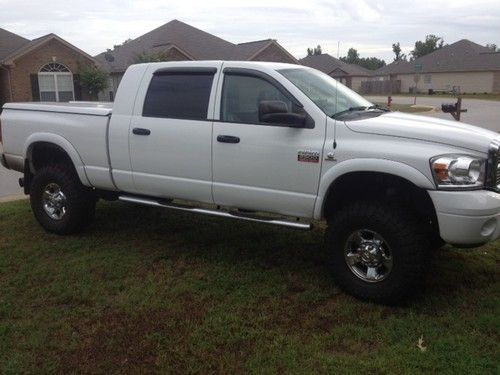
(93, 79)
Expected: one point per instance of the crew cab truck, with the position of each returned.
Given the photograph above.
(251, 138)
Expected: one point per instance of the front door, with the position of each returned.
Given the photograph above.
(170, 141)
(259, 165)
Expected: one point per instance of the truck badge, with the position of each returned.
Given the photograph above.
(308, 156)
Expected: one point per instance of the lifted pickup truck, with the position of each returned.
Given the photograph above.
(252, 138)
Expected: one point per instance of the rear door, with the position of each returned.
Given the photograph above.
(170, 134)
(263, 166)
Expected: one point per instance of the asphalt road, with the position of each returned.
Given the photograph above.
(483, 113)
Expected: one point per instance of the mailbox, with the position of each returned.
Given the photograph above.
(449, 108)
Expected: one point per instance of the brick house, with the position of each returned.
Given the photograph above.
(42, 69)
(463, 66)
(350, 75)
(175, 41)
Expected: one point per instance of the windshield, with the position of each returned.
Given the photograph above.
(322, 90)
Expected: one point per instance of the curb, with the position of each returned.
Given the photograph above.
(429, 107)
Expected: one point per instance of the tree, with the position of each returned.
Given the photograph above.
(431, 44)
(396, 48)
(147, 57)
(119, 45)
(371, 63)
(93, 79)
(352, 56)
(314, 51)
(493, 47)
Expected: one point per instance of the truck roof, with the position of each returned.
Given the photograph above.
(247, 64)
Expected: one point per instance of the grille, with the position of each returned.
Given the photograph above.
(493, 178)
(498, 173)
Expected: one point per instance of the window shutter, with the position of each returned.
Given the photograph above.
(77, 86)
(35, 90)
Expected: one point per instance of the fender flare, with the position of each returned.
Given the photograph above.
(64, 145)
(385, 166)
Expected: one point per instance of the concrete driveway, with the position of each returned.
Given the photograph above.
(483, 113)
(8, 181)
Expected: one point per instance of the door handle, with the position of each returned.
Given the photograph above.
(228, 139)
(141, 131)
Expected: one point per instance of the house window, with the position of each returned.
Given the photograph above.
(55, 82)
(427, 78)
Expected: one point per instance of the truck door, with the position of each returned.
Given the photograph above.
(170, 134)
(261, 165)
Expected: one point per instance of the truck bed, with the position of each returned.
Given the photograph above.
(79, 128)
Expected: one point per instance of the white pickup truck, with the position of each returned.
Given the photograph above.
(275, 143)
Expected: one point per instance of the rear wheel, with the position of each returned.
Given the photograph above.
(59, 201)
(379, 252)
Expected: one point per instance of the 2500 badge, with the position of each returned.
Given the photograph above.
(308, 156)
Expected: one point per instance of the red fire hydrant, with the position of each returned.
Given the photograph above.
(389, 101)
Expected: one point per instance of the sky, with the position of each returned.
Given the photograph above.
(369, 26)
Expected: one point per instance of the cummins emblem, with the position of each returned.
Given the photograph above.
(308, 156)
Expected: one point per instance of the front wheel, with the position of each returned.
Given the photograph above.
(59, 201)
(379, 252)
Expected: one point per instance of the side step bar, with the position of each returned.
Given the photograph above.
(155, 203)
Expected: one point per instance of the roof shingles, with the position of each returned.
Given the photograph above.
(461, 56)
(329, 64)
(196, 43)
(10, 42)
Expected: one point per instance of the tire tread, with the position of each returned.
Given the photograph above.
(412, 251)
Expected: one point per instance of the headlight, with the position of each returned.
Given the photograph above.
(458, 171)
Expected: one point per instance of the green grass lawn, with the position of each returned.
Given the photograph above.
(149, 290)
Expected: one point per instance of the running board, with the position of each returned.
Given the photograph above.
(155, 203)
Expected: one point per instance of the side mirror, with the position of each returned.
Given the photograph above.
(276, 112)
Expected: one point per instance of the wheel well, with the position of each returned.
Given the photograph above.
(41, 154)
(382, 187)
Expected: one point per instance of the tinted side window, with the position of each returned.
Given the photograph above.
(241, 97)
(178, 95)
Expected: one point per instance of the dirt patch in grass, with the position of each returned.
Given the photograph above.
(117, 341)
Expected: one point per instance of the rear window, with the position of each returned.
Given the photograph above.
(179, 95)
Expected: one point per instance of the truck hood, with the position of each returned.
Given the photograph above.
(425, 128)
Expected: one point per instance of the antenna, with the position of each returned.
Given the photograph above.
(336, 102)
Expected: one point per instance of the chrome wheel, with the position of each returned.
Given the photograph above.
(368, 256)
(54, 201)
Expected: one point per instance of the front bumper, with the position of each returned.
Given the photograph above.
(467, 217)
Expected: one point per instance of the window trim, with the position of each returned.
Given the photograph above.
(246, 72)
(185, 70)
(54, 74)
(172, 71)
